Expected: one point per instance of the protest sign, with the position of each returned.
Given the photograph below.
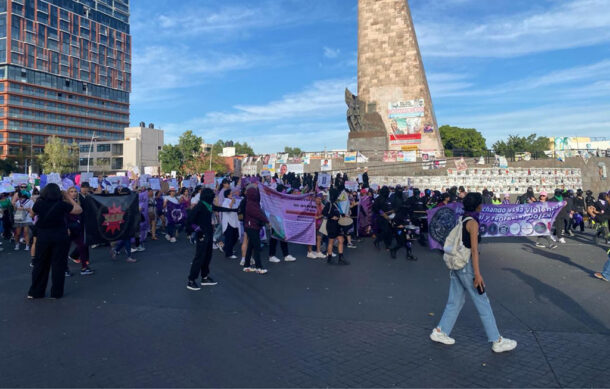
(326, 165)
(351, 185)
(209, 178)
(85, 177)
(350, 157)
(296, 168)
(151, 170)
(155, 183)
(116, 218)
(54, 178)
(495, 221)
(19, 179)
(324, 180)
(93, 182)
(461, 165)
(292, 217)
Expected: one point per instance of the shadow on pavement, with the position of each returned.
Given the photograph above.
(562, 301)
(554, 255)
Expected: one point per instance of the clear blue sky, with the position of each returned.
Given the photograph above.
(273, 72)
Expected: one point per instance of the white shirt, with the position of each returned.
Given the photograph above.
(230, 218)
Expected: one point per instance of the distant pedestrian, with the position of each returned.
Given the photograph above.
(469, 280)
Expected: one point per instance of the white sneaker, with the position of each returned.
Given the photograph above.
(233, 257)
(214, 246)
(334, 255)
(249, 269)
(561, 240)
(242, 262)
(261, 271)
(274, 259)
(441, 337)
(140, 248)
(167, 237)
(173, 240)
(27, 248)
(553, 238)
(321, 255)
(134, 250)
(312, 255)
(540, 245)
(289, 258)
(503, 345)
(17, 247)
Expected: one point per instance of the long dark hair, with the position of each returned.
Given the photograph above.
(51, 192)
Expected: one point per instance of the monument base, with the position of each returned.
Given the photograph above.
(367, 141)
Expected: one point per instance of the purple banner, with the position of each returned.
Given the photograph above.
(495, 221)
(292, 217)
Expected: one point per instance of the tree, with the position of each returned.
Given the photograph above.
(518, 144)
(171, 158)
(202, 164)
(240, 148)
(293, 151)
(7, 166)
(462, 141)
(59, 157)
(189, 145)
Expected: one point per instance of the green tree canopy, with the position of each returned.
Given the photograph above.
(463, 141)
(240, 148)
(59, 157)
(189, 145)
(171, 158)
(518, 144)
(293, 151)
(7, 166)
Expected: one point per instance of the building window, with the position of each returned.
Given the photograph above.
(103, 148)
(103, 162)
(83, 161)
(117, 163)
(84, 148)
(117, 149)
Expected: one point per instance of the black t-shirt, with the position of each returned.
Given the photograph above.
(51, 214)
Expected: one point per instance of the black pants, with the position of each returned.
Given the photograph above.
(203, 257)
(231, 236)
(273, 246)
(51, 255)
(385, 232)
(7, 226)
(254, 247)
(582, 222)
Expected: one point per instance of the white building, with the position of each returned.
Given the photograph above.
(139, 148)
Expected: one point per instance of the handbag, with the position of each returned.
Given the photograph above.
(345, 221)
(322, 228)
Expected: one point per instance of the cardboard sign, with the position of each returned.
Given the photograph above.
(155, 183)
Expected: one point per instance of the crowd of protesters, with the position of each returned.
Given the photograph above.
(227, 216)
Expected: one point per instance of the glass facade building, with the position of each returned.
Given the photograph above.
(65, 70)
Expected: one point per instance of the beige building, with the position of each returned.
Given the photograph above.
(139, 148)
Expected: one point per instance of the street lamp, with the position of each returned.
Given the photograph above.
(93, 137)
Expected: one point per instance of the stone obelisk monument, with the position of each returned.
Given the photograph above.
(393, 109)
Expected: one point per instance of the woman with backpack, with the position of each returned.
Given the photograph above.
(468, 279)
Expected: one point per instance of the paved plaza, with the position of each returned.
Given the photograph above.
(308, 324)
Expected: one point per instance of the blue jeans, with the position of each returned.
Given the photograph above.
(461, 282)
(126, 243)
(606, 271)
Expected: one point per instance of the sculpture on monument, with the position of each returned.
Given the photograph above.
(393, 109)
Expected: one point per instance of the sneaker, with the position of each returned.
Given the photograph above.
(274, 259)
(249, 269)
(192, 285)
(87, 272)
(214, 246)
(538, 244)
(261, 271)
(321, 255)
(74, 260)
(17, 247)
(242, 262)
(600, 276)
(27, 248)
(220, 248)
(131, 260)
(233, 257)
(289, 258)
(172, 240)
(167, 237)
(208, 281)
(553, 246)
(561, 240)
(140, 248)
(351, 246)
(553, 238)
(68, 273)
(134, 250)
(312, 255)
(22, 240)
(32, 264)
(441, 337)
(334, 255)
(503, 345)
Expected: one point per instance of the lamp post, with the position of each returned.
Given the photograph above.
(211, 155)
(93, 137)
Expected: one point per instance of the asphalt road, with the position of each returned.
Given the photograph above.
(308, 324)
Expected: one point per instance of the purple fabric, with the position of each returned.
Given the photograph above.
(495, 221)
(365, 215)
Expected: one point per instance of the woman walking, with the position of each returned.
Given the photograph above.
(332, 213)
(52, 242)
(469, 280)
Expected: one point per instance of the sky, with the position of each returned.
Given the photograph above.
(273, 72)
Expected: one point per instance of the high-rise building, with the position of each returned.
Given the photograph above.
(65, 70)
